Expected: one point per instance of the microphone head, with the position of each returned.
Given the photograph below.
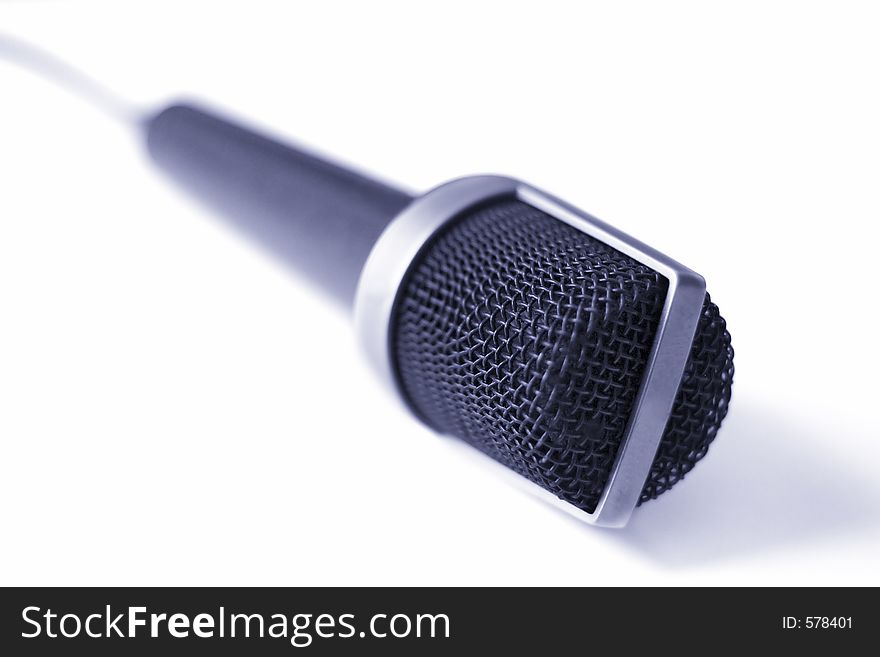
(529, 339)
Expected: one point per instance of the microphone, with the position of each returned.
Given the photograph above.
(582, 359)
(587, 362)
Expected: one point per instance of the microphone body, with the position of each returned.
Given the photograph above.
(584, 360)
(316, 215)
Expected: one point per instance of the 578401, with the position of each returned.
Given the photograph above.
(817, 623)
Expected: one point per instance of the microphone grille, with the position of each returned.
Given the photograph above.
(528, 339)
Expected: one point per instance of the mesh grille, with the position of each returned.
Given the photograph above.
(528, 339)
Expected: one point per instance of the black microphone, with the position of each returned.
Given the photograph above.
(580, 358)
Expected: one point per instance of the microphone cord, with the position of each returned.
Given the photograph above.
(49, 67)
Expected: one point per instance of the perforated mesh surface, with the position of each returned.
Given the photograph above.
(528, 339)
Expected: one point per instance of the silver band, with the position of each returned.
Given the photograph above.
(399, 246)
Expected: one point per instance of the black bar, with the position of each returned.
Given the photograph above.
(539, 621)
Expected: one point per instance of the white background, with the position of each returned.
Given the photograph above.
(177, 408)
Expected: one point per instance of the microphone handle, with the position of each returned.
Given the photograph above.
(316, 215)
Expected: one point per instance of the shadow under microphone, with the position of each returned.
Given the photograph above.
(582, 359)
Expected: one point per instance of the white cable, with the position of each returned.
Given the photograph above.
(49, 67)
